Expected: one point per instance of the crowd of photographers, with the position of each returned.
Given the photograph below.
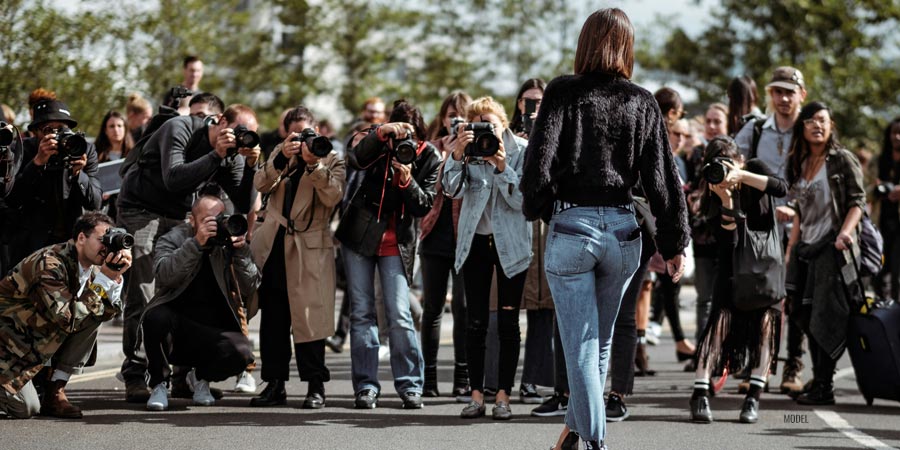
(215, 223)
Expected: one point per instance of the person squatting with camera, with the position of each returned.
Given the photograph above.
(377, 229)
(51, 305)
(184, 154)
(204, 273)
(295, 251)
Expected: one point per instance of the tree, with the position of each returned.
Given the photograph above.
(846, 50)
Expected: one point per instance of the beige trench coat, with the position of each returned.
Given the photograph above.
(309, 256)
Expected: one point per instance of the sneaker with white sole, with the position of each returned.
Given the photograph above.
(202, 396)
(159, 398)
(245, 383)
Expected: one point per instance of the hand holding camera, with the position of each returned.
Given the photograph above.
(46, 149)
(224, 230)
(206, 230)
(118, 243)
(478, 139)
(310, 145)
(499, 158)
(116, 264)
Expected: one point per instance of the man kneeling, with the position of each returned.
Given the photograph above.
(203, 275)
(51, 305)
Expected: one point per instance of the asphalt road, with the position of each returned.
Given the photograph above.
(659, 417)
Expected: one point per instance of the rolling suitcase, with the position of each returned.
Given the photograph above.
(873, 341)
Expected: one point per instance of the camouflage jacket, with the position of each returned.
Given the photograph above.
(39, 309)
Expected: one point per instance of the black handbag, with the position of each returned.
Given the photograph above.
(758, 266)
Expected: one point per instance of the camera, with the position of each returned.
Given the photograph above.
(485, 142)
(884, 189)
(530, 108)
(244, 139)
(114, 240)
(228, 226)
(317, 144)
(6, 135)
(69, 146)
(716, 171)
(454, 124)
(177, 93)
(404, 149)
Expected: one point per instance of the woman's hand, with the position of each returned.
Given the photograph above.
(675, 267)
(735, 174)
(396, 130)
(499, 158)
(463, 138)
(289, 148)
(843, 241)
(723, 191)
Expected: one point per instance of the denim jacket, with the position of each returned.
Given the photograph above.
(512, 234)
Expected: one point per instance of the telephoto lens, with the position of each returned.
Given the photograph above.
(228, 226)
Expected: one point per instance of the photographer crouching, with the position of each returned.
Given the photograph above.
(378, 229)
(51, 305)
(203, 274)
(295, 250)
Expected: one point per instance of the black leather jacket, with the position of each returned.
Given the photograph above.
(376, 199)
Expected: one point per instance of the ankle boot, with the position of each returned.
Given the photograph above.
(461, 380)
(642, 362)
(55, 403)
(430, 389)
(821, 393)
(273, 395)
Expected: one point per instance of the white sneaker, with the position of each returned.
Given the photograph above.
(202, 396)
(384, 353)
(245, 383)
(159, 398)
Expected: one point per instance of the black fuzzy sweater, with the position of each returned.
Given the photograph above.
(595, 137)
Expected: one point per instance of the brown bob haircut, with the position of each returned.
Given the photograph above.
(606, 44)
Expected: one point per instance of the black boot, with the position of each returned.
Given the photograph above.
(430, 389)
(750, 410)
(821, 393)
(273, 395)
(461, 381)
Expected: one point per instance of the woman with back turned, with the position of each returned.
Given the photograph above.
(597, 135)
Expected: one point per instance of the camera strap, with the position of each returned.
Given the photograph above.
(464, 174)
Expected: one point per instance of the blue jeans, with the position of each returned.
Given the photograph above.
(592, 254)
(406, 358)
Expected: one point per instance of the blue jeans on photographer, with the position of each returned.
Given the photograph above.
(592, 254)
(406, 357)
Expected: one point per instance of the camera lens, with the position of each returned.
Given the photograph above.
(714, 173)
(236, 225)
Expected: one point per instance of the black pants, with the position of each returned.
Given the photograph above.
(343, 322)
(624, 343)
(435, 272)
(171, 338)
(823, 364)
(666, 298)
(275, 343)
(478, 271)
(538, 367)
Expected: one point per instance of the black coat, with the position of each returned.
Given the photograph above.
(47, 200)
(361, 228)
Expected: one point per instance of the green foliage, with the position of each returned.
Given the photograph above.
(274, 54)
(848, 52)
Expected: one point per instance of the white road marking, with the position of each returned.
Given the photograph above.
(844, 373)
(93, 376)
(838, 423)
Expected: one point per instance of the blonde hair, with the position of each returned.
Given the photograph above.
(486, 105)
(137, 104)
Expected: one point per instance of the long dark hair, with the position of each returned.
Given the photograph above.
(742, 98)
(104, 145)
(456, 99)
(799, 149)
(719, 146)
(886, 159)
(534, 83)
(405, 112)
